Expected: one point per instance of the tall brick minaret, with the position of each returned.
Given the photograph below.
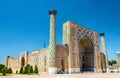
(104, 50)
(52, 46)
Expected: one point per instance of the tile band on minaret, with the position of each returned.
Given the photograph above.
(52, 46)
(104, 50)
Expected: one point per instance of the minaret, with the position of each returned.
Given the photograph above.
(104, 50)
(52, 46)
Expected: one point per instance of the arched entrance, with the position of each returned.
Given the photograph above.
(62, 64)
(22, 62)
(86, 54)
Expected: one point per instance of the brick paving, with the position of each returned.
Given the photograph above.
(85, 75)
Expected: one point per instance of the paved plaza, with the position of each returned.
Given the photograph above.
(85, 75)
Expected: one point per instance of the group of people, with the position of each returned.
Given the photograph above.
(61, 71)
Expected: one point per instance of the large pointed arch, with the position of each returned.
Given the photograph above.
(85, 35)
(86, 54)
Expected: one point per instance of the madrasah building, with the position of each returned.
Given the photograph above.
(79, 51)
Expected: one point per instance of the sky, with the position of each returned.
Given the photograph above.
(24, 24)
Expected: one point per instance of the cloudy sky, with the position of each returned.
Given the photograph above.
(24, 24)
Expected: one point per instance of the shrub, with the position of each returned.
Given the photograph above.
(31, 69)
(9, 70)
(3, 71)
(16, 71)
(21, 70)
(36, 69)
(1, 66)
(27, 69)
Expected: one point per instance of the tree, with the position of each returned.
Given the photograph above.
(111, 62)
(31, 69)
(4, 71)
(27, 69)
(1, 66)
(21, 70)
(9, 70)
(36, 69)
(16, 71)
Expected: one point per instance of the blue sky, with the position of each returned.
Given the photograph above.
(24, 24)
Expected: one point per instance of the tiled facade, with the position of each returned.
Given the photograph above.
(84, 53)
(79, 51)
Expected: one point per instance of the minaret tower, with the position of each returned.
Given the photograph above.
(52, 46)
(104, 50)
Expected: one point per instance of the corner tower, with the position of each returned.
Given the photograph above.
(52, 46)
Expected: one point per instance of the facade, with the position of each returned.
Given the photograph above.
(79, 51)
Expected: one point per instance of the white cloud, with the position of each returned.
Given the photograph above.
(118, 52)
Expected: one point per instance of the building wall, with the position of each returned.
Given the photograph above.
(14, 63)
(40, 58)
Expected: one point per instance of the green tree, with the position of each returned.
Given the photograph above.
(16, 71)
(27, 69)
(21, 70)
(31, 69)
(9, 70)
(4, 71)
(111, 62)
(36, 69)
(1, 66)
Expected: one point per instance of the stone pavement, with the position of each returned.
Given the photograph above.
(85, 75)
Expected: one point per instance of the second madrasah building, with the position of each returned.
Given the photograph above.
(79, 51)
